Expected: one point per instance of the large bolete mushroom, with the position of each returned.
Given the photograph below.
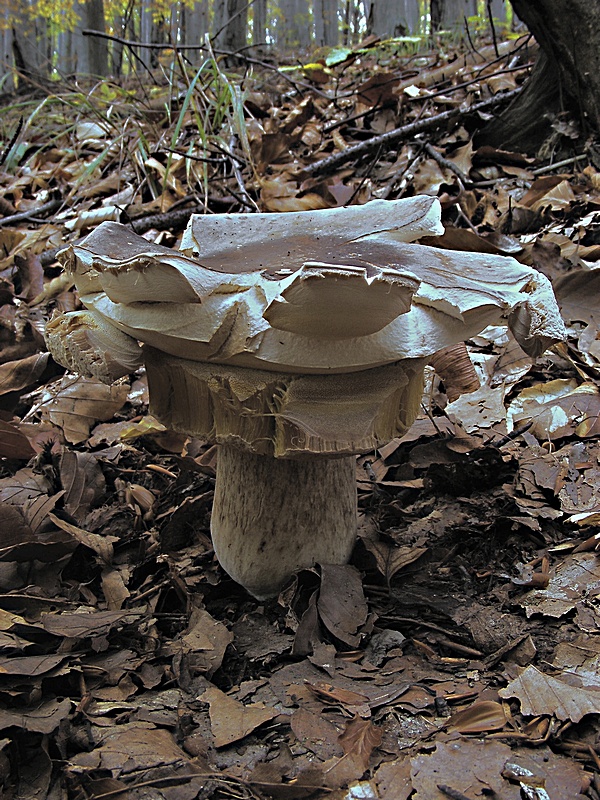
(295, 341)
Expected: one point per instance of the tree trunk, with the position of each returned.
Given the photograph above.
(449, 14)
(295, 24)
(230, 24)
(91, 52)
(6, 78)
(195, 25)
(29, 40)
(273, 516)
(568, 31)
(259, 22)
(326, 27)
(525, 125)
(144, 53)
(566, 75)
(388, 18)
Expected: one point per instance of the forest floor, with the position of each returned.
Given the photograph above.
(462, 659)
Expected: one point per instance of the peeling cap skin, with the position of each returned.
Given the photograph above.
(309, 304)
(294, 341)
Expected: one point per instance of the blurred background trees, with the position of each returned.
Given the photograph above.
(42, 39)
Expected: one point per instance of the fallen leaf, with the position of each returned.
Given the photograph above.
(487, 715)
(102, 545)
(207, 640)
(140, 747)
(541, 694)
(555, 408)
(83, 482)
(77, 403)
(341, 605)
(13, 443)
(44, 718)
(231, 720)
(390, 559)
(316, 733)
(358, 741)
(82, 625)
(17, 375)
(574, 578)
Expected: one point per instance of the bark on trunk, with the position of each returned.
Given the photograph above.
(391, 18)
(91, 52)
(274, 516)
(325, 19)
(568, 31)
(449, 14)
(29, 44)
(526, 123)
(230, 23)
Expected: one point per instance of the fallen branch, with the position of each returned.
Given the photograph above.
(32, 213)
(387, 140)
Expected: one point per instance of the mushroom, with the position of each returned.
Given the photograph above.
(295, 341)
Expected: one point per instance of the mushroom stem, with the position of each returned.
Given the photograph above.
(272, 516)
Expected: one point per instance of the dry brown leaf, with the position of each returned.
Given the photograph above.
(16, 375)
(338, 696)
(556, 408)
(13, 443)
(44, 718)
(31, 273)
(15, 529)
(101, 545)
(83, 482)
(358, 741)
(316, 733)
(360, 738)
(341, 605)
(79, 402)
(389, 559)
(81, 625)
(281, 194)
(207, 640)
(139, 747)
(393, 779)
(31, 666)
(541, 694)
(231, 720)
(471, 766)
(113, 586)
(570, 581)
(486, 715)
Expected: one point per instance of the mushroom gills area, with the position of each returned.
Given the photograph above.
(273, 516)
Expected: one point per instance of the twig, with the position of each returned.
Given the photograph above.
(473, 48)
(492, 28)
(450, 89)
(51, 205)
(558, 164)
(387, 140)
(12, 142)
(230, 19)
(177, 47)
(444, 162)
(453, 793)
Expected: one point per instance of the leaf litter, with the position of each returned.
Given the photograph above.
(457, 655)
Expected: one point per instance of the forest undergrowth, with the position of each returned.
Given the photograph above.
(462, 658)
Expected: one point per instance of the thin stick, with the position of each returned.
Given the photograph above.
(445, 162)
(387, 140)
(51, 205)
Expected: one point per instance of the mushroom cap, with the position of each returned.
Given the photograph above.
(333, 291)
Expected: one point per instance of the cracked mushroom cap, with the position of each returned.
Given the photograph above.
(263, 311)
